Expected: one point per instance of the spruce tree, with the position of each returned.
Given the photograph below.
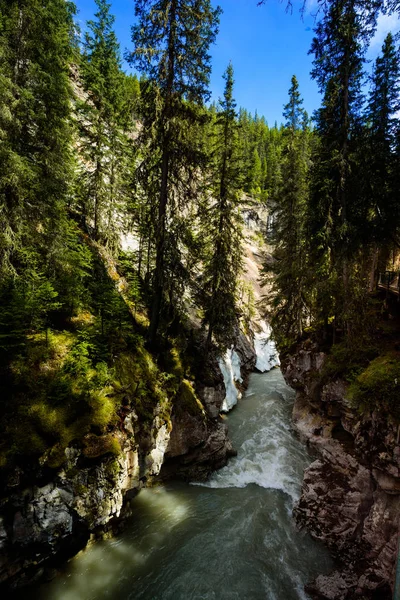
(273, 160)
(337, 209)
(289, 298)
(223, 225)
(379, 156)
(171, 42)
(103, 147)
(255, 173)
(37, 44)
(35, 105)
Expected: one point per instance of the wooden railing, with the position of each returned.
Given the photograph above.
(390, 281)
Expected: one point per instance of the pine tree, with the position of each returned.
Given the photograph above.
(379, 156)
(337, 209)
(256, 172)
(171, 40)
(37, 43)
(223, 226)
(273, 156)
(35, 106)
(103, 146)
(290, 283)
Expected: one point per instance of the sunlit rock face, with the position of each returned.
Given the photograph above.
(54, 519)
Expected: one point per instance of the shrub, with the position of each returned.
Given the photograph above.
(344, 362)
(378, 386)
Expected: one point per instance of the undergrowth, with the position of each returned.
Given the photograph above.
(74, 382)
(378, 386)
(370, 366)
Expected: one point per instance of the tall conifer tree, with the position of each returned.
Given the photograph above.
(35, 105)
(336, 205)
(36, 41)
(102, 143)
(290, 286)
(171, 44)
(382, 126)
(223, 225)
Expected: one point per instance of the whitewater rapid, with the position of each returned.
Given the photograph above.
(269, 455)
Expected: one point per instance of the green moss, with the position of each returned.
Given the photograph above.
(95, 446)
(347, 363)
(103, 407)
(73, 387)
(113, 469)
(378, 386)
(56, 456)
(173, 363)
(140, 382)
(187, 400)
(60, 391)
(30, 443)
(80, 490)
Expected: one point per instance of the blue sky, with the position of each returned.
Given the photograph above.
(266, 45)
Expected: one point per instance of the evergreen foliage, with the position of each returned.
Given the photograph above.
(105, 151)
(223, 225)
(344, 221)
(290, 300)
(379, 157)
(36, 158)
(171, 39)
(260, 149)
(336, 206)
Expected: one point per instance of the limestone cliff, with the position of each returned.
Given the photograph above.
(351, 494)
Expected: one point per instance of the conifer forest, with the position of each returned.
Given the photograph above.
(125, 197)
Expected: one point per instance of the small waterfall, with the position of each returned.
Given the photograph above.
(267, 355)
(230, 369)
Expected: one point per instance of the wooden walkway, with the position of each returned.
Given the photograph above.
(389, 281)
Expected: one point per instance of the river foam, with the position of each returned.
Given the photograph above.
(265, 458)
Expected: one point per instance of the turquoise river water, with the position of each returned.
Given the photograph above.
(232, 538)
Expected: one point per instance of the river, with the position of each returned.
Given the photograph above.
(232, 538)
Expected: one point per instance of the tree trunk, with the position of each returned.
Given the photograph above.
(374, 270)
(158, 288)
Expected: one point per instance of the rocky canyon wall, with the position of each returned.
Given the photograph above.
(350, 497)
